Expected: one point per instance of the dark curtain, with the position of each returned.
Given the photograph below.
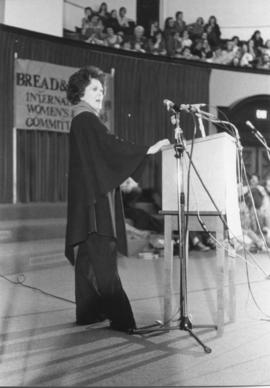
(141, 84)
(42, 166)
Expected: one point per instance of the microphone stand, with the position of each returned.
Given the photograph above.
(179, 147)
(184, 321)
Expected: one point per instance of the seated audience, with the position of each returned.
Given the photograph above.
(202, 40)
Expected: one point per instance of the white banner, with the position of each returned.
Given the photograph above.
(40, 101)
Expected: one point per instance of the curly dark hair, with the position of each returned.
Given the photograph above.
(80, 80)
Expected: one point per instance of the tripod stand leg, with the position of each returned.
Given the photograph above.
(205, 348)
(186, 325)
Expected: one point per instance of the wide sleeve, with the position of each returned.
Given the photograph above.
(106, 160)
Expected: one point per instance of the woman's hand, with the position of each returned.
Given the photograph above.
(157, 146)
(128, 185)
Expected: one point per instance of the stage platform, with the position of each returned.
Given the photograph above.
(42, 346)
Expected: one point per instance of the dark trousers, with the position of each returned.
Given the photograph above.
(98, 289)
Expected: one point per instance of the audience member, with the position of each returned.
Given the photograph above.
(186, 41)
(266, 48)
(86, 20)
(217, 56)
(263, 62)
(254, 181)
(247, 58)
(138, 42)
(236, 40)
(257, 201)
(123, 20)
(251, 48)
(186, 54)
(126, 45)
(141, 219)
(197, 49)
(196, 29)
(112, 21)
(252, 241)
(237, 58)
(174, 45)
(213, 32)
(200, 241)
(258, 42)
(266, 209)
(179, 23)
(154, 27)
(103, 13)
(169, 28)
(206, 48)
(157, 44)
(112, 39)
(94, 32)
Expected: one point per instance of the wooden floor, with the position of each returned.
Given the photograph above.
(41, 345)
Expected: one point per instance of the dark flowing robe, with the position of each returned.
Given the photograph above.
(98, 163)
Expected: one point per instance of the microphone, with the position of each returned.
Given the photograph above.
(186, 107)
(201, 126)
(192, 107)
(171, 105)
(250, 125)
(255, 130)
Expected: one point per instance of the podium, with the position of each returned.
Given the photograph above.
(214, 158)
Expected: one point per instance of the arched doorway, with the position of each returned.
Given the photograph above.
(255, 109)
